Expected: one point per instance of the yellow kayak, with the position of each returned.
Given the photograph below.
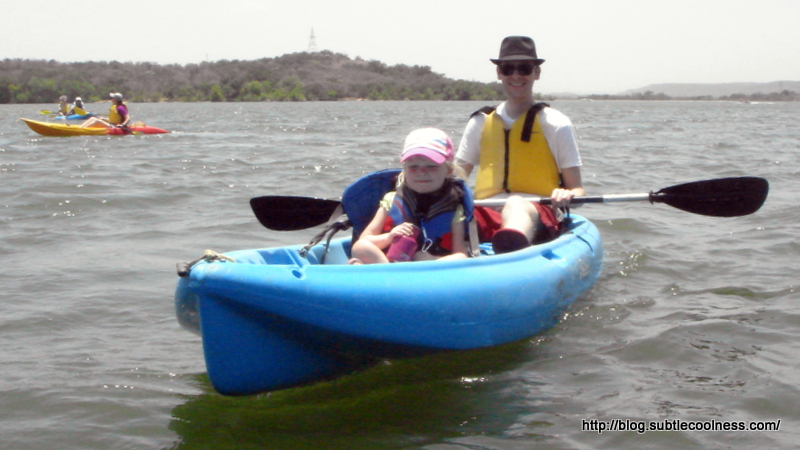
(63, 129)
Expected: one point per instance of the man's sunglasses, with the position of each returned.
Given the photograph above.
(523, 69)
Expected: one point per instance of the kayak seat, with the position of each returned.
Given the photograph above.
(334, 252)
(360, 200)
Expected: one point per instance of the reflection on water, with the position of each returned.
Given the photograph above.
(396, 404)
(693, 317)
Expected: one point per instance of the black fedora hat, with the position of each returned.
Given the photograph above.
(518, 48)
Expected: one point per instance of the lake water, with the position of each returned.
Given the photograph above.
(693, 319)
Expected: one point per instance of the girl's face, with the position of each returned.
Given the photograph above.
(424, 176)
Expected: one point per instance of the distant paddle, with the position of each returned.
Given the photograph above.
(721, 197)
(127, 130)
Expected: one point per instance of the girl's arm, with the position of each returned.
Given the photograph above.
(370, 246)
(374, 231)
(459, 244)
(126, 118)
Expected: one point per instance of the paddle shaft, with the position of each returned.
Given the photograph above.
(722, 197)
(495, 202)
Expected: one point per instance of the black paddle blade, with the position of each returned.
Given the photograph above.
(723, 197)
(286, 213)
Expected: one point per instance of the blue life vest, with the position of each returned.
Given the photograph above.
(435, 234)
(361, 199)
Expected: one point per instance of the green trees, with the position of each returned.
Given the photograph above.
(319, 76)
(216, 94)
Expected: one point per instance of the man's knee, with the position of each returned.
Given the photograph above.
(518, 205)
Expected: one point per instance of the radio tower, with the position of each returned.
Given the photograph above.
(312, 43)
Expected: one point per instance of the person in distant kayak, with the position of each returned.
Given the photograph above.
(521, 147)
(63, 107)
(77, 104)
(118, 115)
(426, 206)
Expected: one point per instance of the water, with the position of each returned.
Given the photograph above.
(694, 318)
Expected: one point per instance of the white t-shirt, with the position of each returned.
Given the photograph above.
(557, 129)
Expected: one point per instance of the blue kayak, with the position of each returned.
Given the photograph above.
(271, 319)
(75, 116)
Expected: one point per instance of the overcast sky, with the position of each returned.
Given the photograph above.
(591, 46)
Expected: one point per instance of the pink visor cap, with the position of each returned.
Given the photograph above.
(432, 143)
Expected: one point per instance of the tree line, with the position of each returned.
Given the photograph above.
(293, 77)
(783, 96)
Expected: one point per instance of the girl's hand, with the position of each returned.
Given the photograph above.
(404, 229)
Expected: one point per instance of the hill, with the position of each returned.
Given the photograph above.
(303, 76)
(293, 77)
(686, 90)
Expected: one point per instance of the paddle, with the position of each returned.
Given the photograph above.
(76, 110)
(286, 213)
(126, 130)
(50, 113)
(721, 197)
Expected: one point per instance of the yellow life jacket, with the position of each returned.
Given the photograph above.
(516, 160)
(113, 115)
(63, 108)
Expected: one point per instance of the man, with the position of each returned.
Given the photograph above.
(522, 147)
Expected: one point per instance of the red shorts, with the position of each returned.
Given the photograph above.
(489, 221)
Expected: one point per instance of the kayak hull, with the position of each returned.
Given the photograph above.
(274, 319)
(65, 130)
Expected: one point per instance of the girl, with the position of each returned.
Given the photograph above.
(118, 115)
(63, 107)
(426, 203)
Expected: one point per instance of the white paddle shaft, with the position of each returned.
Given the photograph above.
(613, 198)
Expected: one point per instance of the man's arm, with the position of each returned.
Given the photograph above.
(573, 187)
(467, 167)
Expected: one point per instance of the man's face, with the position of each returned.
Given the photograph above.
(518, 77)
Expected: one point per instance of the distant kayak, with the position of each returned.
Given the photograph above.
(62, 129)
(75, 117)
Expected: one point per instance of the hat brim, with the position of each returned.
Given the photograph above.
(536, 61)
(433, 155)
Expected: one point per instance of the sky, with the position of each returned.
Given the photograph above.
(590, 46)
